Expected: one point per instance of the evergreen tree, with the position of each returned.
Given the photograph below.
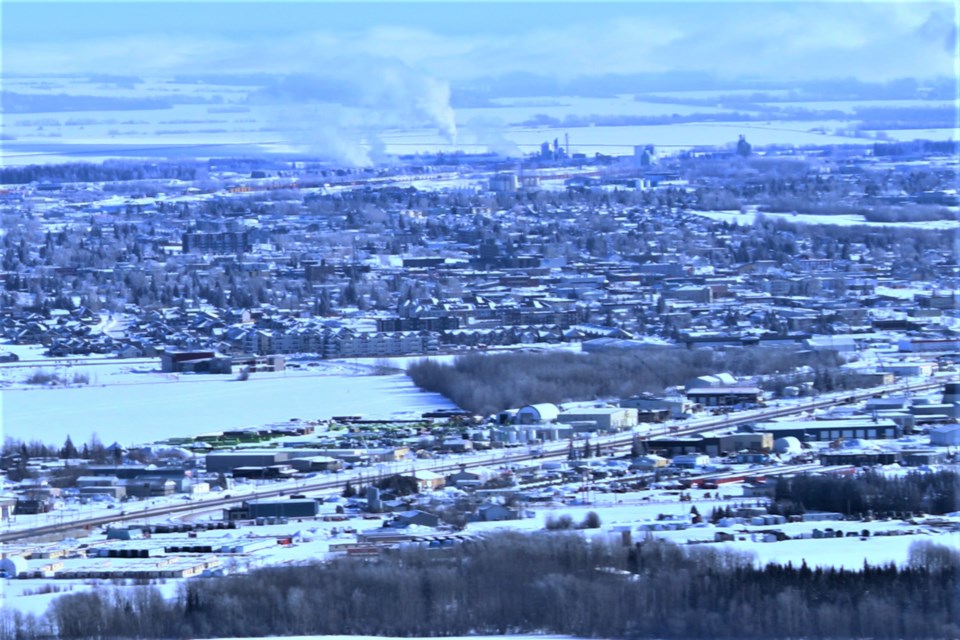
(349, 490)
(69, 450)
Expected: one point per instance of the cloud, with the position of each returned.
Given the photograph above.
(870, 40)
(941, 26)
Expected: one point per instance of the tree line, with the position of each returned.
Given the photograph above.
(513, 583)
(15, 454)
(486, 384)
(871, 492)
(107, 171)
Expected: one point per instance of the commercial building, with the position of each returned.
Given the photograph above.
(218, 242)
(829, 430)
(227, 461)
(712, 444)
(726, 396)
(274, 508)
(195, 362)
(606, 419)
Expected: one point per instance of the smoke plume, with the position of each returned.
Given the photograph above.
(341, 112)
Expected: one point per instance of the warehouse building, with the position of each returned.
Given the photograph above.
(274, 508)
(195, 362)
(227, 461)
(603, 419)
(829, 430)
(712, 444)
(947, 435)
(726, 396)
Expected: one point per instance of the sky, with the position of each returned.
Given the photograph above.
(461, 41)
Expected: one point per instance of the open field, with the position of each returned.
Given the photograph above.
(189, 405)
(176, 119)
(845, 220)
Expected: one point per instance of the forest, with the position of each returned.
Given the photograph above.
(512, 583)
(870, 493)
(867, 118)
(486, 384)
(17, 102)
(110, 170)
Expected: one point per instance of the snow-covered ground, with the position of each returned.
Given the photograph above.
(49, 137)
(657, 513)
(630, 512)
(402, 362)
(141, 407)
(846, 220)
(131, 402)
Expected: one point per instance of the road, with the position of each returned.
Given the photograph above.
(334, 483)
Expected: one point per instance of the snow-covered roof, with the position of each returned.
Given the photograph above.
(544, 411)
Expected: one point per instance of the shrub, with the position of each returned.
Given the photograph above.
(41, 376)
(561, 523)
(382, 367)
(590, 521)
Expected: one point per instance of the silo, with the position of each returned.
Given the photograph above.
(951, 393)
(373, 499)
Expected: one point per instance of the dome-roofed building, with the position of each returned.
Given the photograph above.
(543, 412)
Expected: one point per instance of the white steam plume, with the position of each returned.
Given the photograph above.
(341, 112)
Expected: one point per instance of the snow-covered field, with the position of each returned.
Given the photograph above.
(55, 136)
(132, 402)
(629, 511)
(846, 220)
(403, 362)
(140, 408)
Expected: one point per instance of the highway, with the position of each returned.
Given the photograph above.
(496, 457)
